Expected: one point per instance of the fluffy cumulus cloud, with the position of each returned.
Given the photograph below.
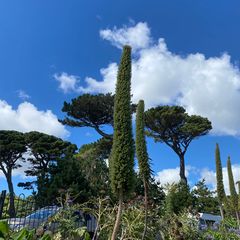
(137, 36)
(67, 83)
(210, 176)
(28, 118)
(171, 175)
(204, 86)
(20, 172)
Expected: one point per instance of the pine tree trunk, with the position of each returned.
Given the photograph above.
(118, 219)
(182, 169)
(146, 208)
(11, 209)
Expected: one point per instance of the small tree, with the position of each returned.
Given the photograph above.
(233, 193)
(178, 198)
(45, 151)
(122, 154)
(173, 126)
(204, 200)
(142, 156)
(93, 159)
(220, 187)
(67, 177)
(12, 148)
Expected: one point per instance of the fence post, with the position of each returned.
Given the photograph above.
(2, 199)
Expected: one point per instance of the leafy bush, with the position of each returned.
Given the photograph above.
(23, 234)
(181, 226)
(70, 225)
(228, 230)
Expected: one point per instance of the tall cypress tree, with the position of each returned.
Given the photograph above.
(142, 156)
(122, 154)
(233, 193)
(220, 187)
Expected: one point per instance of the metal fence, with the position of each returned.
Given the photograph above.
(29, 215)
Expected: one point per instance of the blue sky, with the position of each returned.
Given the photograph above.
(52, 51)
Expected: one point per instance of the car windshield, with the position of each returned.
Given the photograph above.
(43, 213)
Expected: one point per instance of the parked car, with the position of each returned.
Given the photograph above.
(42, 216)
(35, 219)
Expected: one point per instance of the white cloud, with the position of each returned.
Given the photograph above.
(20, 172)
(28, 118)
(23, 95)
(210, 177)
(204, 86)
(108, 85)
(137, 36)
(171, 175)
(68, 83)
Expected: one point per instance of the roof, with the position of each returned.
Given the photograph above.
(210, 217)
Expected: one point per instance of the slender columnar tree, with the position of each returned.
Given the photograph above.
(220, 187)
(122, 154)
(142, 156)
(233, 192)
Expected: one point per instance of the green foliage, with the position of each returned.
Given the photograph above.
(122, 155)
(141, 148)
(183, 226)
(132, 219)
(45, 150)
(4, 229)
(12, 147)
(142, 156)
(70, 226)
(178, 198)
(90, 111)
(228, 230)
(94, 111)
(22, 206)
(220, 235)
(92, 158)
(23, 234)
(220, 187)
(156, 195)
(173, 126)
(233, 193)
(68, 176)
(204, 201)
(45, 153)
